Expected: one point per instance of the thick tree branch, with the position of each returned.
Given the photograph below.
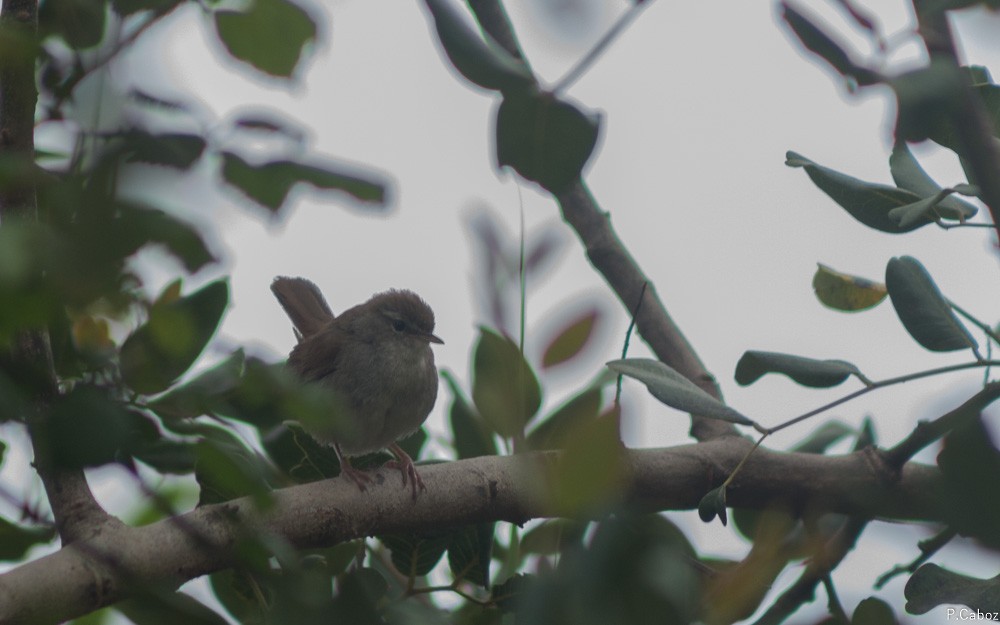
(612, 259)
(101, 569)
(73, 505)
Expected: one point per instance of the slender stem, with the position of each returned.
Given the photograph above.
(987, 330)
(882, 384)
(732, 476)
(927, 549)
(628, 338)
(584, 64)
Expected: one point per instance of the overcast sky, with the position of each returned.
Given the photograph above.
(700, 101)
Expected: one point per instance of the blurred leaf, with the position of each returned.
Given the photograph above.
(824, 437)
(922, 309)
(226, 470)
(362, 593)
(203, 393)
(246, 596)
(268, 184)
(166, 608)
(87, 428)
(553, 431)
(129, 7)
(300, 455)
(415, 556)
(970, 464)
(823, 45)
(475, 55)
(867, 202)
(735, 593)
(80, 23)
(806, 371)
(504, 388)
(177, 150)
(675, 390)
(545, 139)
(506, 595)
(15, 540)
(168, 456)
(927, 99)
(166, 346)
(180, 238)
(570, 340)
(554, 536)
(270, 35)
(845, 292)
(472, 438)
(712, 505)
(909, 175)
(636, 570)
(932, 585)
(873, 611)
(92, 335)
(591, 472)
(470, 552)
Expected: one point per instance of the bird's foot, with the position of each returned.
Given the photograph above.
(347, 470)
(404, 463)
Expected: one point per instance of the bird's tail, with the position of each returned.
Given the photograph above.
(303, 303)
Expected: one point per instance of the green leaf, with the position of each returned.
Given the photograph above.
(873, 611)
(176, 150)
(300, 455)
(80, 23)
(590, 475)
(932, 585)
(571, 340)
(507, 594)
(553, 431)
(970, 464)
(226, 470)
(470, 552)
(88, 428)
(415, 556)
(269, 184)
(472, 437)
(168, 608)
(202, 394)
(909, 175)
(712, 505)
(270, 35)
(162, 349)
(15, 540)
(806, 371)
(545, 139)
(928, 99)
(676, 391)
(845, 292)
(149, 225)
(554, 536)
(867, 202)
(129, 7)
(824, 437)
(504, 388)
(922, 309)
(477, 56)
(824, 46)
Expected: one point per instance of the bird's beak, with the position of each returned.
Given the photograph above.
(433, 339)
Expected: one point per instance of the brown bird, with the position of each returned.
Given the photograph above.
(377, 359)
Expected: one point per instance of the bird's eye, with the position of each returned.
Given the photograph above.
(398, 325)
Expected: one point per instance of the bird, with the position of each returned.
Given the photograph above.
(377, 359)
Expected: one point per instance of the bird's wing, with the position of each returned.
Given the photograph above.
(317, 355)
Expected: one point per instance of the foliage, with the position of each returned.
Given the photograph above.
(134, 400)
